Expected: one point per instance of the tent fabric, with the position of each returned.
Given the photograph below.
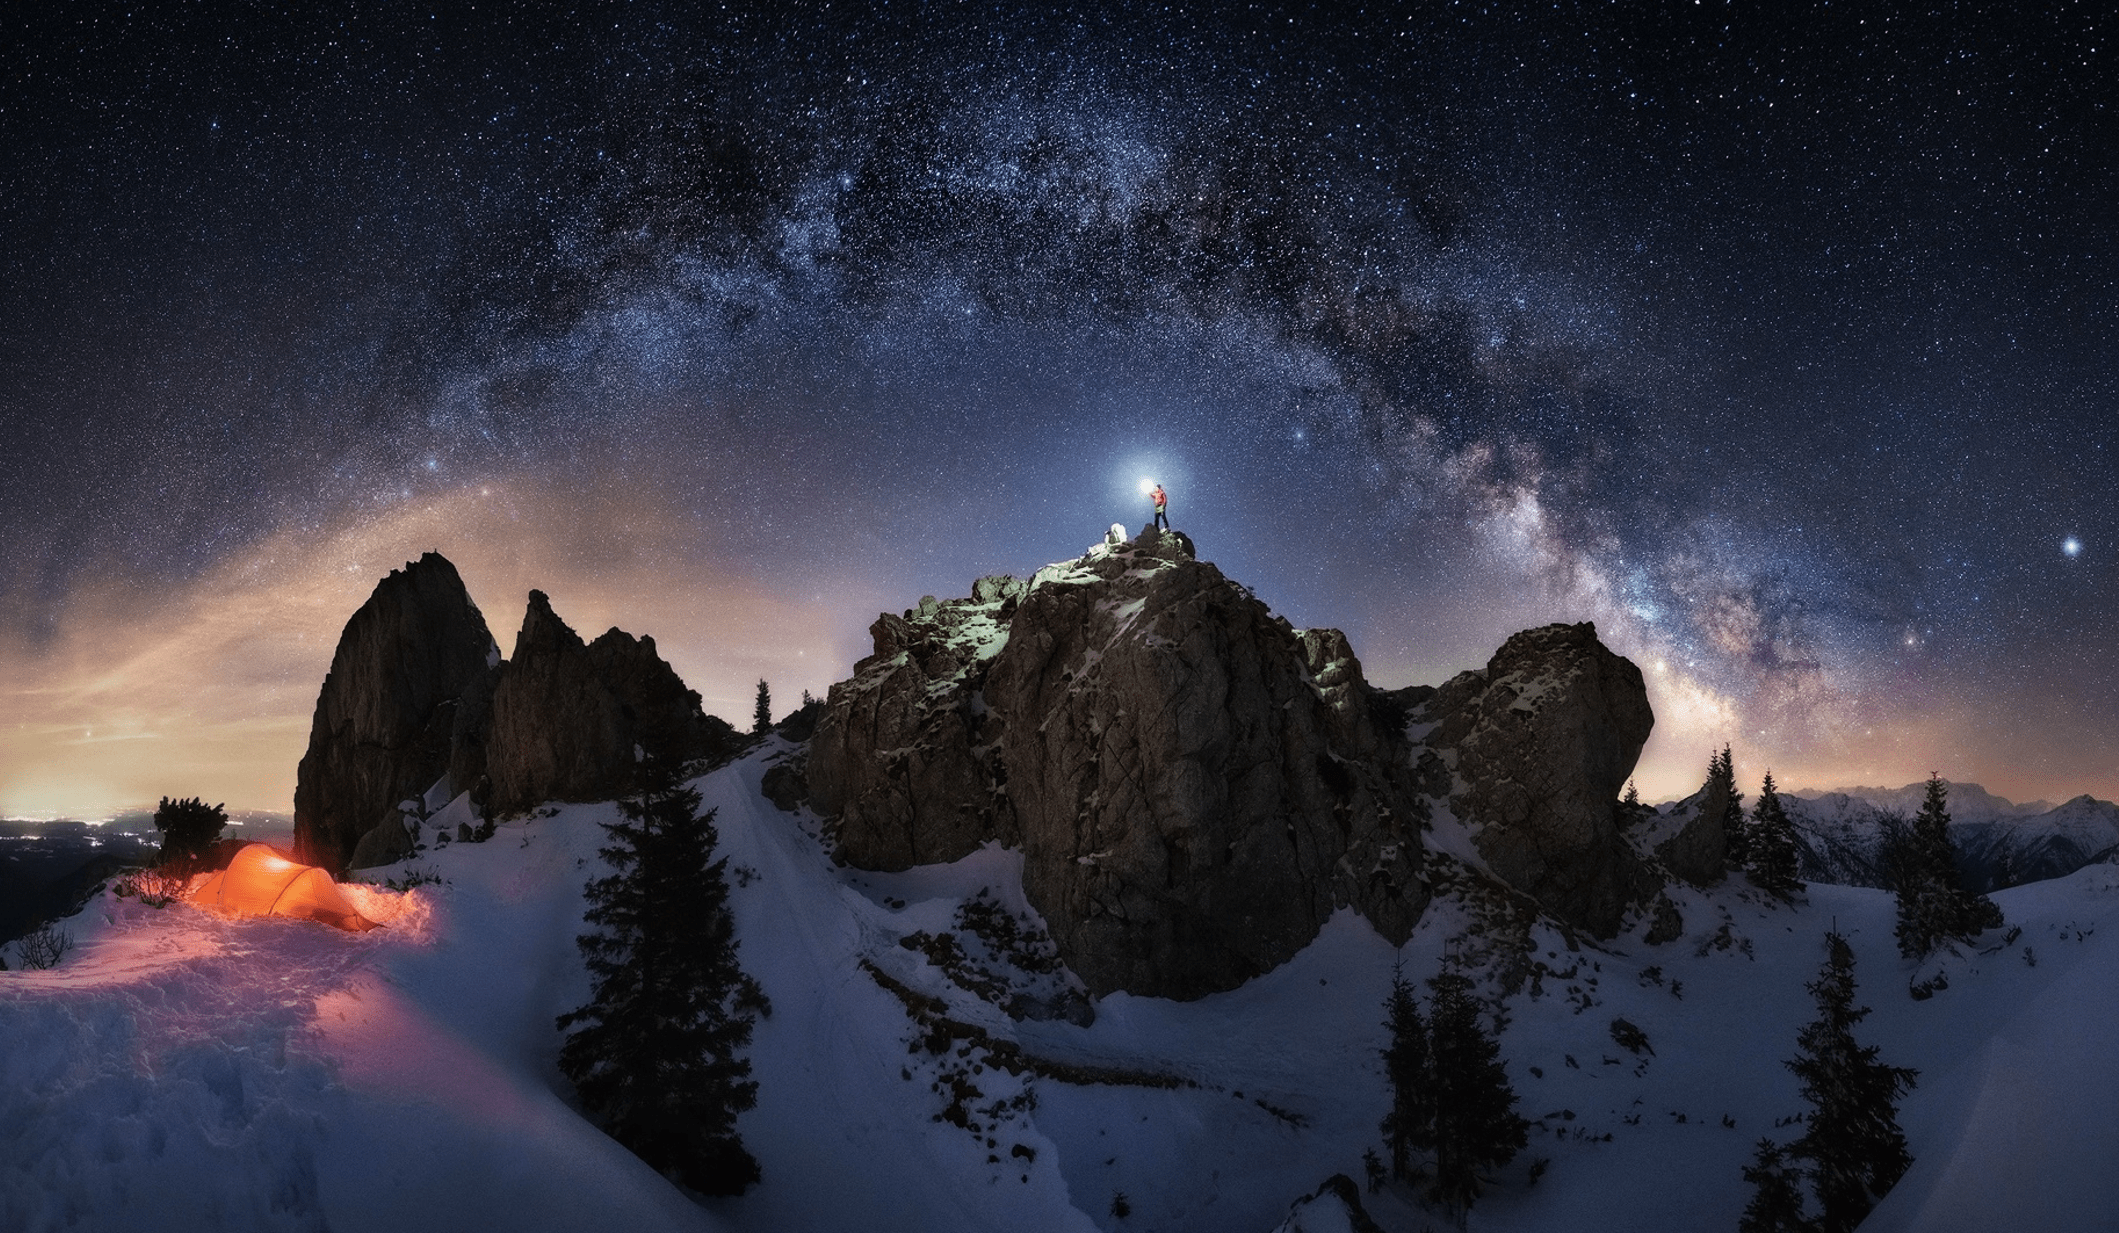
(264, 881)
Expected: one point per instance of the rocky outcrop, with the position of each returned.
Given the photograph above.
(1195, 785)
(387, 717)
(1542, 740)
(418, 690)
(386, 843)
(1697, 847)
(557, 730)
(570, 721)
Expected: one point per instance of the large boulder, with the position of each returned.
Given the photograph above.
(384, 844)
(1543, 739)
(570, 721)
(386, 720)
(1195, 786)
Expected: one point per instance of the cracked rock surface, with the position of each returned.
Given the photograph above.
(1195, 785)
(1542, 740)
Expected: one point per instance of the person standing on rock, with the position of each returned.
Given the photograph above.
(1162, 507)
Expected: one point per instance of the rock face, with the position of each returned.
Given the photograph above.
(1543, 740)
(417, 690)
(386, 843)
(568, 719)
(1195, 785)
(1698, 850)
(387, 716)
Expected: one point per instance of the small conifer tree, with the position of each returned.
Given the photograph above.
(762, 714)
(1722, 794)
(1851, 1141)
(1476, 1124)
(1933, 904)
(1409, 1126)
(1629, 808)
(1776, 1193)
(189, 827)
(655, 1052)
(1771, 863)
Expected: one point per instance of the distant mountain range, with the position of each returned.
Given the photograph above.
(1841, 834)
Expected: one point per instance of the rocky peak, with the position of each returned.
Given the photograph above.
(1194, 784)
(418, 689)
(386, 717)
(667, 717)
(543, 633)
(570, 719)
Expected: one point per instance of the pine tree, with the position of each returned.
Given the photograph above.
(1776, 1193)
(1408, 1064)
(655, 1053)
(1933, 904)
(189, 827)
(1851, 1141)
(1629, 809)
(1476, 1125)
(1723, 796)
(1771, 862)
(762, 716)
(1968, 913)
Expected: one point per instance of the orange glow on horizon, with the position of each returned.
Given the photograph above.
(208, 689)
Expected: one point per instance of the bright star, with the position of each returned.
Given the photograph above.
(1146, 485)
(2071, 546)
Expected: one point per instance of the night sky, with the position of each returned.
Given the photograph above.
(1774, 342)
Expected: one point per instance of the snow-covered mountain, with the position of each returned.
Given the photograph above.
(1841, 835)
(1112, 872)
(184, 1071)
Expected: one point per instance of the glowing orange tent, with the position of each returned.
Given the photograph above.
(262, 881)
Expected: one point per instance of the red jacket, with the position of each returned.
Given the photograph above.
(1161, 498)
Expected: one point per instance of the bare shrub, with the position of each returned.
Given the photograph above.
(152, 887)
(44, 948)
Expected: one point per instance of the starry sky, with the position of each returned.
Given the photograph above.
(1773, 339)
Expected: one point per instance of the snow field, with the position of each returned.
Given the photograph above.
(184, 1071)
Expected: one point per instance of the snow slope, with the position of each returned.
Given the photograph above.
(181, 1071)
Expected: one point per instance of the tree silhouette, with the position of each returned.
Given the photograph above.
(1476, 1125)
(1851, 1141)
(1933, 904)
(1409, 1126)
(654, 1054)
(1722, 797)
(189, 827)
(1771, 863)
(762, 714)
(1776, 1193)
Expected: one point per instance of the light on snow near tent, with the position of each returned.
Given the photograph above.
(262, 882)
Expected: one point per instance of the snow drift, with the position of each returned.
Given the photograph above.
(184, 1070)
